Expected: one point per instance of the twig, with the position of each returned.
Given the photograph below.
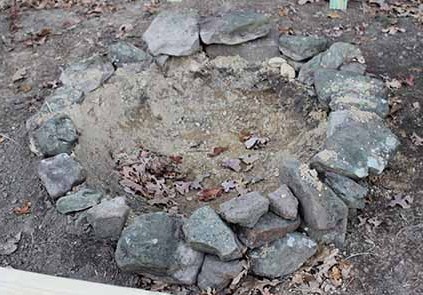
(360, 254)
(9, 138)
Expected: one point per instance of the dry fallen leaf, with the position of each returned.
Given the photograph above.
(228, 185)
(256, 142)
(334, 14)
(210, 194)
(176, 159)
(409, 81)
(403, 201)
(393, 84)
(391, 30)
(24, 209)
(233, 164)
(217, 151)
(25, 88)
(416, 140)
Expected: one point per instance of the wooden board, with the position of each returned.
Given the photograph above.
(16, 282)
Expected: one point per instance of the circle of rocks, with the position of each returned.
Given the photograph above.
(209, 247)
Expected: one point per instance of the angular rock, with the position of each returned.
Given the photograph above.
(270, 227)
(358, 144)
(338, 55)
(354, 67)
(346, 90)
(284, 203)
(56, 136)
(108, 218)
(152, 246)
(234, 28)
(88, 74)
(299, 48)
(78, 201)
(324, 214)
(60, 174)
(245, 210)
(206, 232)
(125, 53)
(283, 256)
(216, 274)
(348, 190)
(173, 33)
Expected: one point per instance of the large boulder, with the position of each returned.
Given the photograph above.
(348, 190)
(125, 53)
(283, 203)
(358, 144)
(78, 201)
(234, 28)
(245, 210)
(56, 136)
(300, 48)
(345, 90)
(324, 214)
(270, 227)
(60, 174)
(152, 246)
(216, 274)
(206, 232)
(283, 256)
(173, 33)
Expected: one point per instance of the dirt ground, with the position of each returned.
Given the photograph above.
(383, 242)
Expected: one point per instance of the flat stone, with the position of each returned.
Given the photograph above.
(125, 53)
(339, 54)
(300, 48)
(216, 274)
(284, 203)
(56, 136)
(234, 28)
(283, 256)
(347, 90)
(173, 33)
(206, 232)
(348, 190)
(324, 214)
(358, 144)
(354, 67)
(108, 218)
(88, 74)
(245, 210)
(256, 51)
(78, 201)
(270, 227)
(60, 174)
(152, 246)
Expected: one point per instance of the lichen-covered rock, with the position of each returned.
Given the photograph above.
(125, 53)
(300, 48)
(283, 256)
(348, 190)
(60, 174)
(152, 246)
(217, 274)
(78, 201)
(283, 203)
(173, 33)
(206, 232)
(108, 218)
(270, 227)
(56, 136)
(234, 28)
(347, 90)
(88, 74)
(358, 144)
(324, 214)
(245, 210)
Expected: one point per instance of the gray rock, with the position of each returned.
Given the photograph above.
(234, 28)
(88, 74)
(152, 246)
(346, 90)
(354, 67)
(270, 227)
(78, 201)
(338, 55)
(60, 174)
(173, 33)
(245, 210)
(206, 232)
(283, 256)
(256, 51)
(348, 190)
(56, 136)
(216, 274)
(358, 144)
(324, 214)
(300, 48)
(284, 203)
(124, 53)
(108, 218)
